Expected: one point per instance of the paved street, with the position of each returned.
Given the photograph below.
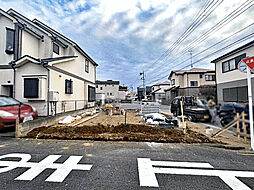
(120, 165)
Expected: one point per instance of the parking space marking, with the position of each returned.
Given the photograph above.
(148, 178)
(61, 172)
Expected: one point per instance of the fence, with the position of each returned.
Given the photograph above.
(239, 120)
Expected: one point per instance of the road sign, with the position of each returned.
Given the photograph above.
(249, 62)
(61, 172)
(243, 67)
(148, 178)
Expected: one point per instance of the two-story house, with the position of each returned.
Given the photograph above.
(231, 82)
(193, 82)
(40, 66)
(158, 91)
(111, 89)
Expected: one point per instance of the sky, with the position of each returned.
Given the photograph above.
(127, 37)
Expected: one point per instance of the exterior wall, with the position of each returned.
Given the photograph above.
(235, 74)
(235, 83)
(30, 45)
(107, 89)
(196, 77)
(57, 83)
(5, 22)
(122, 95)
(184, 80)
(77, 67)
(31, 70)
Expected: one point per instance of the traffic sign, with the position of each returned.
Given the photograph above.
(243, 67)
(249, 62)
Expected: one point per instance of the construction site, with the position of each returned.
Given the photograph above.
(110, 123)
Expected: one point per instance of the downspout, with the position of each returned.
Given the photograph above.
(14, 78)
(44, 64)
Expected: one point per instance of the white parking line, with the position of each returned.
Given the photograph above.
(148, 178)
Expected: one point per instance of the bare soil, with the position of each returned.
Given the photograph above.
(104, 127)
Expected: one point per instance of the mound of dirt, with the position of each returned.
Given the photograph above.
(130, 132)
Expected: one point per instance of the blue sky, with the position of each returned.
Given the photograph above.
(126, 37)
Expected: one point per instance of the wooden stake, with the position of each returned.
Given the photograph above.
(183, 122)
(238, 127)
(244, 128)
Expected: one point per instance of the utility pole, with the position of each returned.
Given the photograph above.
(191, 58)
(144, 85)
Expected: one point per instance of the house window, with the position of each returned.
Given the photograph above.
(210, 77)
(237, 94)
(31, 88)
(111, 94)
(173, 81)
(68, 86)
(200, 76)
(232, 64)
(56, 48)
(87, 65)
(91, 94)
(96, 86)
(193, 83)
(101, 88)
(9, 41)
(107, 93)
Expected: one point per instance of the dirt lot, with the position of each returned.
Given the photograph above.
(104, 127)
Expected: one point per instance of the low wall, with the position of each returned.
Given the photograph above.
(23, 128)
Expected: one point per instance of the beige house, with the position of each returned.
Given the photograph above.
(40, 66)
(230, 81)
(193, 82)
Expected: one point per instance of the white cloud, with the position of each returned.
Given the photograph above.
(141, 30)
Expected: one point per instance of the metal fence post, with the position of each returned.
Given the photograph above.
(75, 104)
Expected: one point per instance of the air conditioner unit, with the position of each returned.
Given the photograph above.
(53, 96)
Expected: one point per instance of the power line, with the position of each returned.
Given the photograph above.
(188, 31)
(207, 56)
(219, 25)
(225, 39)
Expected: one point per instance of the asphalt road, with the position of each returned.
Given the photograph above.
(120, 165)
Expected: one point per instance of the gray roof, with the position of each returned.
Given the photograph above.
(57, 58)
(107, 82)
(233, 52)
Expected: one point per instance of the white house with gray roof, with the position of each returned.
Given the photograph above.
(40, 66)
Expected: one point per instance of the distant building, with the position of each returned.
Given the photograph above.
(193, 82)
(158, 91)
(140, 93)
(232, 83)
(111, 89)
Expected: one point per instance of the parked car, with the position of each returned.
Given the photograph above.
(9, 112)
(194, 109)
(228, 111)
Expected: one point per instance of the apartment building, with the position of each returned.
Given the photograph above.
(230, 81)
(39, 65)
(193, 82)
